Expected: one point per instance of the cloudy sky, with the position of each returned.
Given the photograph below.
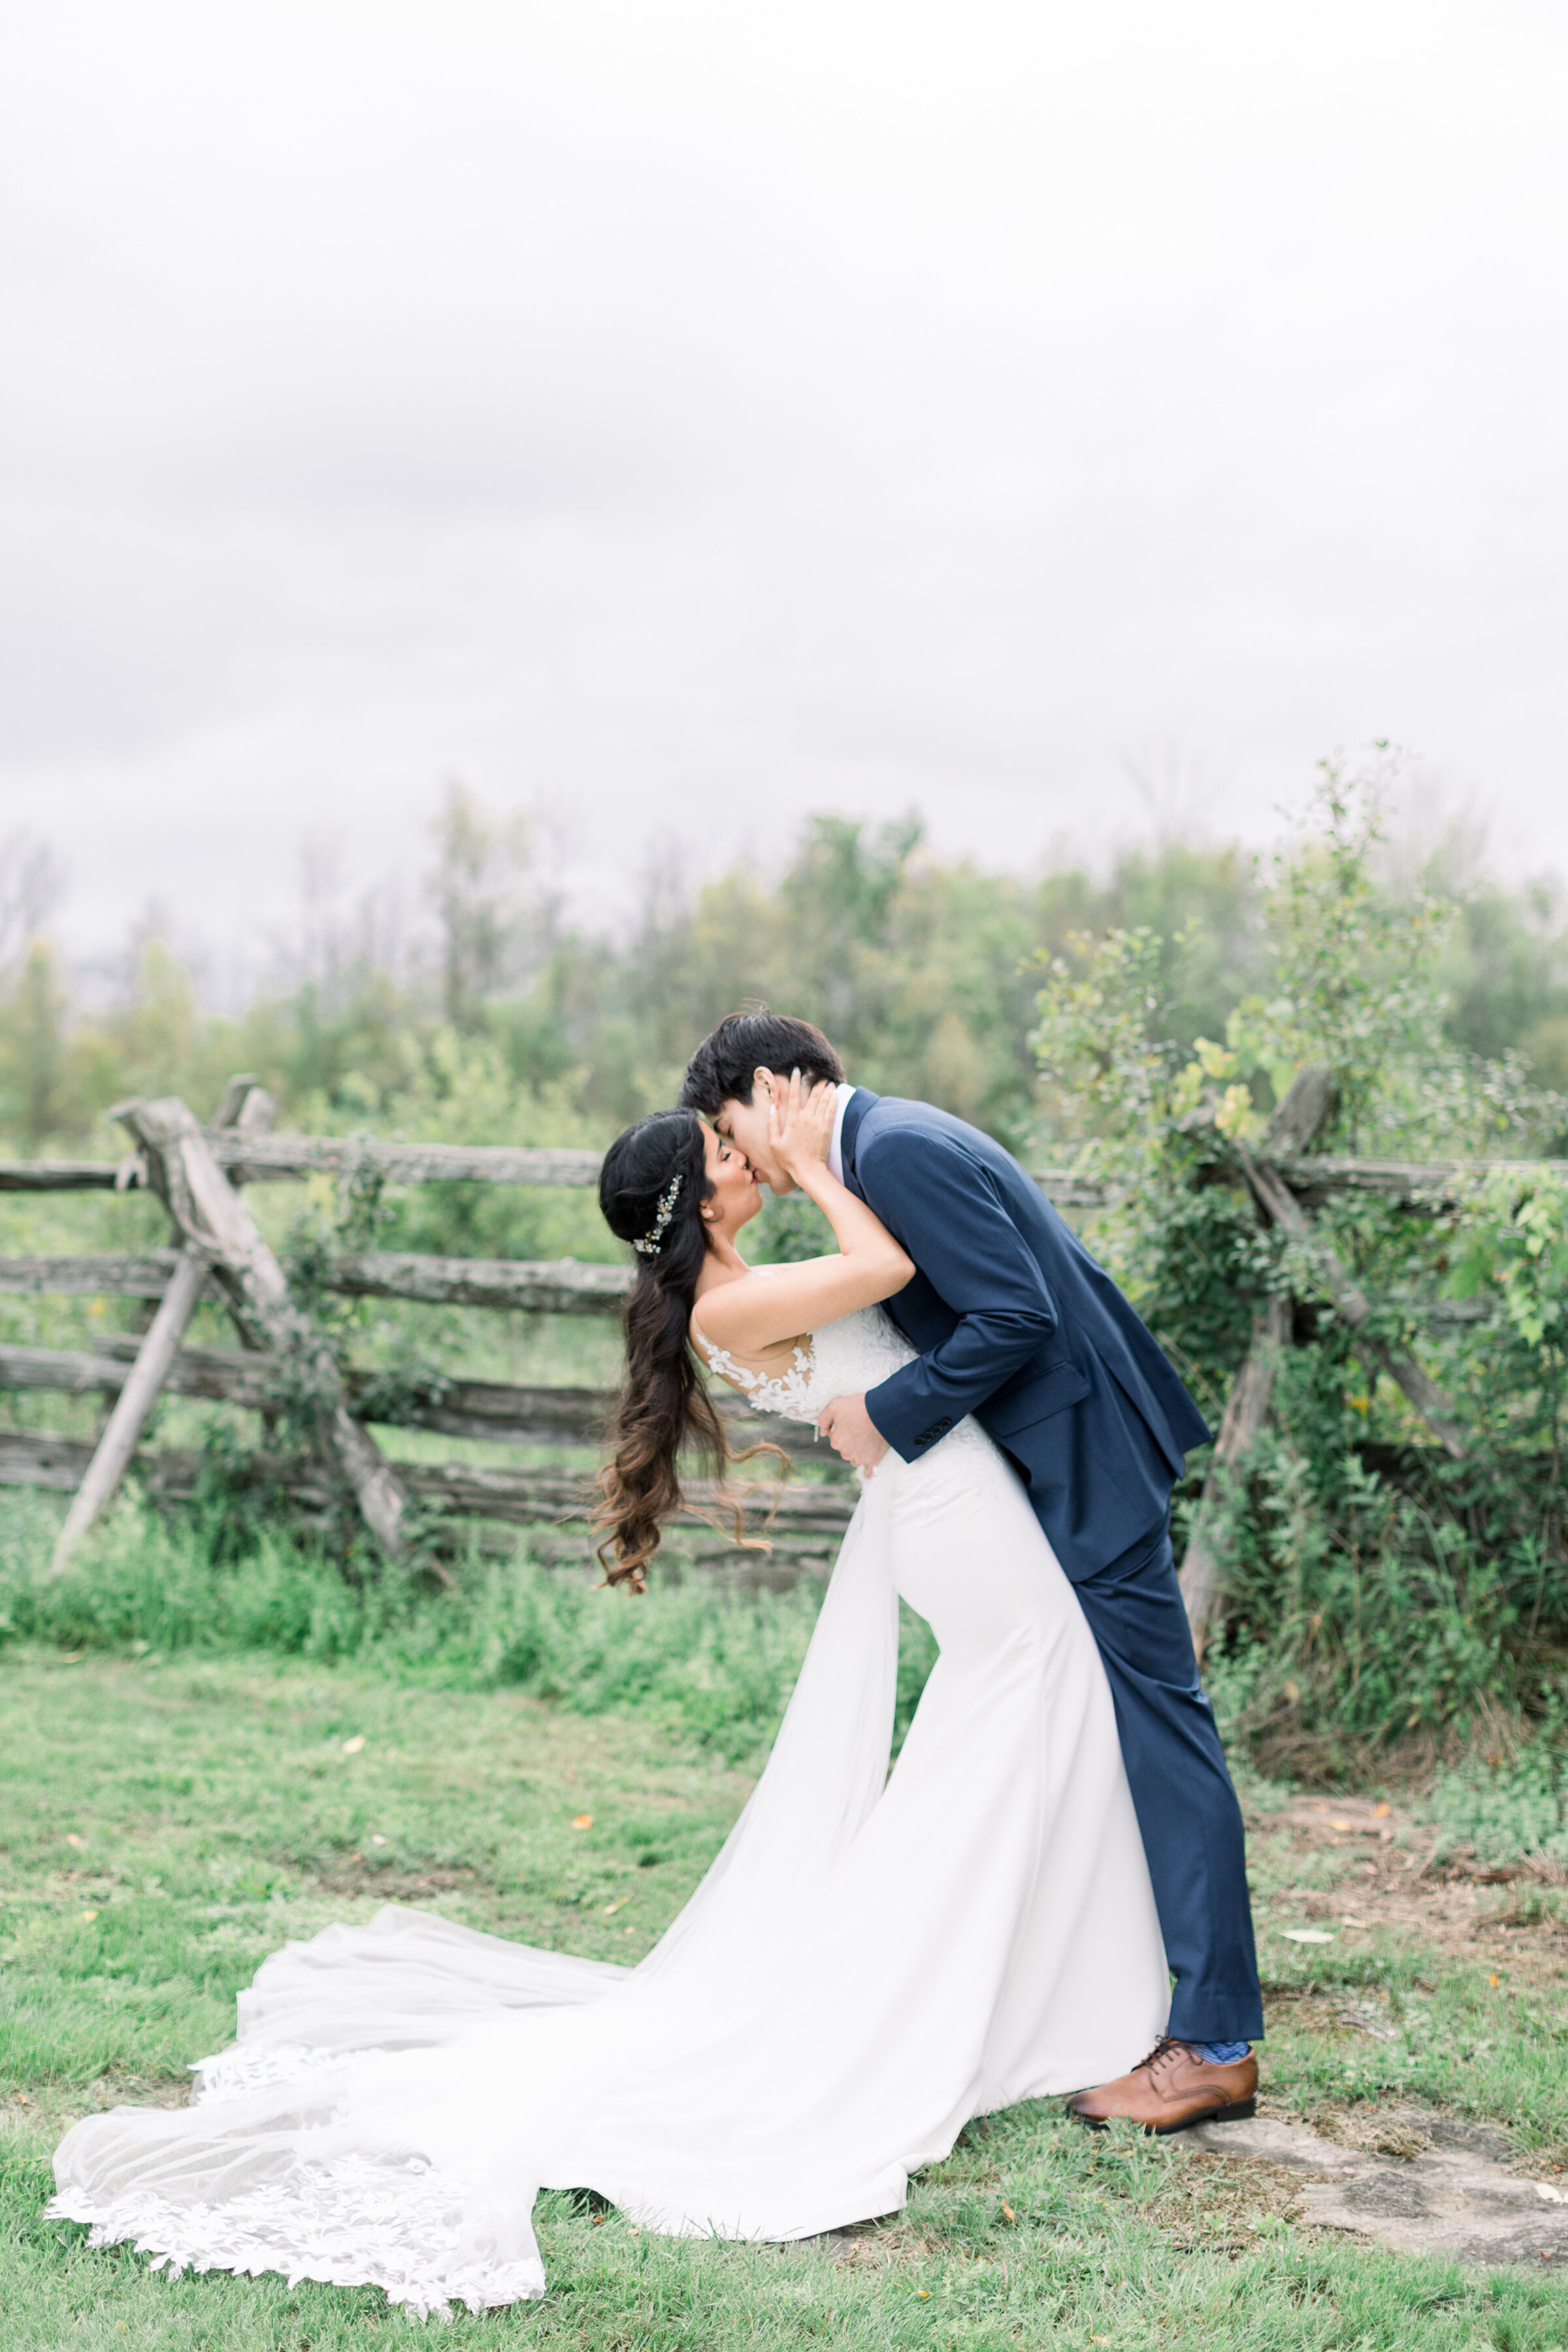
(681, 417)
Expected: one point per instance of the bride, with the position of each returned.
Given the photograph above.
(873, 1959)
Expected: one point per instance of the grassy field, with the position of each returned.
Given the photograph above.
(169, 1821)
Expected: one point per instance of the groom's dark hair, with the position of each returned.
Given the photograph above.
(722, 1069)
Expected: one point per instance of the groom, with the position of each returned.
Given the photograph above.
(1018, 1326)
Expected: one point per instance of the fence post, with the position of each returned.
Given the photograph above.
(246, 1104)
(1297, 1116)
(123, 1429)
(216, 1222)
(1245, 1411)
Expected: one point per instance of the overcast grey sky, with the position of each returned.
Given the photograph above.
(685, 417)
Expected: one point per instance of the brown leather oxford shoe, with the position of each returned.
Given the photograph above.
(1171, 2088)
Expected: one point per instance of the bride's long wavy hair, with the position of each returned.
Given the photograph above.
(664, 1403)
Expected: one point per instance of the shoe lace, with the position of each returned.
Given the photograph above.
(1166, 2048)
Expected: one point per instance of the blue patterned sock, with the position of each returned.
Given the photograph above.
(1223, 2054)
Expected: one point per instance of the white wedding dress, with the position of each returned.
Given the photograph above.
(872, 1960)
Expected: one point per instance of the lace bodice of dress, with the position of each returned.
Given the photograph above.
(844, 1359)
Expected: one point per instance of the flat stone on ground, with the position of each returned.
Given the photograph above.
(1453, 2196)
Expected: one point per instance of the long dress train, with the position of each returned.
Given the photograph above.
(870, 1961)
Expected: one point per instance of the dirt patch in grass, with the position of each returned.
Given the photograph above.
(361, 1874)
(1220, 2203)
(1374, 1868)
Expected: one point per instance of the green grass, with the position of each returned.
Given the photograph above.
(168, 1825)
(1470, 2032)
(711, 1664)
(1506, 1806)
(1085, 2263)
(202, 1809)
(714, 1666)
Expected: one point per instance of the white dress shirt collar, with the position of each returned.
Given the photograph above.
(835, 1146)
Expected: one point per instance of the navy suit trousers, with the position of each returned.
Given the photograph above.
(1187, 1806)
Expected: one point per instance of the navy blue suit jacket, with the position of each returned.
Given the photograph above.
(1018, 1326)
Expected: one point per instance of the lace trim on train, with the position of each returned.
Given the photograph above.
(244, 2067)
(788, 1393)
(350, 2224)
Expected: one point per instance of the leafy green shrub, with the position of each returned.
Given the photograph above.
(1372, 1588)
(1506, 1810)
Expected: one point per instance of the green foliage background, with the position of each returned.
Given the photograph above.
(1139, 1024)
(1375, 1591)
(504, 1022)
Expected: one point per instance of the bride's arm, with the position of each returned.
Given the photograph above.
(755, 1313)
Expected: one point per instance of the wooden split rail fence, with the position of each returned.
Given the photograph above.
(219, 1256)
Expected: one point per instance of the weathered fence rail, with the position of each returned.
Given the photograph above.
(1409, 1183)
(253, 1159)
(67, 1176)
(541, 1286)
(547, 1287)
(464, 1489)
(496, 1411)
(278, 1159)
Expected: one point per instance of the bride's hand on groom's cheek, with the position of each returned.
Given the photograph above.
(852, 1432)
(800, 1123)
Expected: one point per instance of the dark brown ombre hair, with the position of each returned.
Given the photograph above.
(664, 1403)
(723, 1068)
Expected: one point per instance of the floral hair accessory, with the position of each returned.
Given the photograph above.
(649, 1244)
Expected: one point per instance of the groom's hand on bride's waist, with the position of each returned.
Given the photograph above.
(851, 1431)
